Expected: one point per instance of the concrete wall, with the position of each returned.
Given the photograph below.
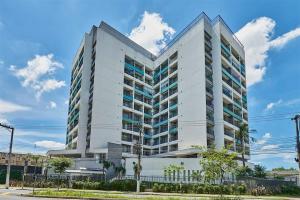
(155, 166)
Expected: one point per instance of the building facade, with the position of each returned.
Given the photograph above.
(192, 93)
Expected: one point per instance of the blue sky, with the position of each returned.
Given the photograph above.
(45, 33)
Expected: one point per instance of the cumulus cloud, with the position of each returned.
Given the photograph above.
(256, 37)
(36, 74)
(271, 105)
(9, 107)
(52, 105)
(152, 33)
(264, 139)
(48, 144)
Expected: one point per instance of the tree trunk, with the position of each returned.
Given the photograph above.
(243, 153)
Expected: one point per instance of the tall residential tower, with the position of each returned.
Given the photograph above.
(192, 93)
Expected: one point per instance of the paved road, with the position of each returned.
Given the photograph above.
(15, 194)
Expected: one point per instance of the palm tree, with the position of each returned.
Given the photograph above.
(120, 170)
(242, 134)
(105, 166)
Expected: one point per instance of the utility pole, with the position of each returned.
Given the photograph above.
(139, 151)
(9, 153)
(296, 119)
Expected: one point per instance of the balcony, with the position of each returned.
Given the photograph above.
(227, 92)
(173, 106)
(161, 122)
(134, 68)
(158, 73)
(229, 133)
(227, 73)
(173, 113)
(173, 129)
(210, 132)
(173, 137)
(210, 117)
(209, 89)
(230, 112)
(171, 85)
(128, 97)
(226, 48)
(235, 65)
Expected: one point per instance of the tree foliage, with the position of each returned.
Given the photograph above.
(216, 163)
(260, 171)
(60, 164)
(172, 167)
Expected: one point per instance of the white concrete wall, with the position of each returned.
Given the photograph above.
(108, 89)
(156, 166)
(191, 87)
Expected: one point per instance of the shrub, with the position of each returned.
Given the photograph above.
(199, 188)
(120, 185)
(290, 190)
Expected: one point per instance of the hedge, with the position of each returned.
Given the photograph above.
(119, 185)
(199, 188)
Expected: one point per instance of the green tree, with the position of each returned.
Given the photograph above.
(242, 135)
(283, 169)
(260, 171)
(244, 171)
(120, 171)
(171, 168)
(105, 167)
(216, 163)
(59, 165)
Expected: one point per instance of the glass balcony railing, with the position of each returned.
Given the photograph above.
(128, 97)
(230, 112)
(173, 106)
(173, 129)
(134, 68)
(158, 73)
(226, 48)
(232, 77)
(229, 133)
(227, 92)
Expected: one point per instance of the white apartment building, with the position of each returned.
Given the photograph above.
(193, 93)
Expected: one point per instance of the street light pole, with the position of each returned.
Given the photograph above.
(9, 153)
(296, 119)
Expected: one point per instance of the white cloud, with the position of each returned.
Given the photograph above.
(273, 104)
(47, 144)
(52, 105)
(3, 120)
(285, 38)
(9, 107)
(152, 33)
(36, 134)
(48, 85)
(1, 62)
(281, 103)
(36, 74)
(66, 102)
(270, 147)
(264, 139)
(256, 38)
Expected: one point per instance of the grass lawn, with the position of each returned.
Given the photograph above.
(145, 196)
